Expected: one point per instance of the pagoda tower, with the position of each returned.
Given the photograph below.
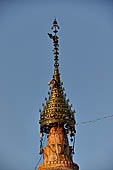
(57, 121)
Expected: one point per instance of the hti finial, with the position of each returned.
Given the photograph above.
(56, 112)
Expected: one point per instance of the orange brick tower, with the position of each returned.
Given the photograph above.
(57, 121)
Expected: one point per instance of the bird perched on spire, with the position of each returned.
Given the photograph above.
(50, 36)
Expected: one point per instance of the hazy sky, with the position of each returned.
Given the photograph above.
(26, 67)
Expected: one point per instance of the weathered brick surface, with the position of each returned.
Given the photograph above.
(57, 153)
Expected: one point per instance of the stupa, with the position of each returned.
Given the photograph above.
(57, 121)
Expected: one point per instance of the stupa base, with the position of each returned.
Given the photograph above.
(63, 165)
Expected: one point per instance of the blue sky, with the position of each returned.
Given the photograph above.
(26, 66)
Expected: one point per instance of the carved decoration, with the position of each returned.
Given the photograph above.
(57, 153)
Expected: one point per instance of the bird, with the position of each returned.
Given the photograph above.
(50, 36)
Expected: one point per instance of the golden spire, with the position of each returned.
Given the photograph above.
(56, 76)
(57, 111)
